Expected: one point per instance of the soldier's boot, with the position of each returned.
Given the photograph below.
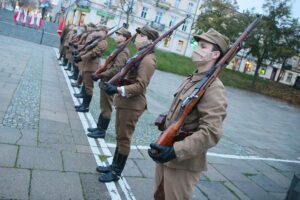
(84, 107)
(98, 125)
(101, 129)
(69, 67)
(65, 62)
(74, 76)
(105, 169)
(116, 169)
(75, 85)
(81, 93)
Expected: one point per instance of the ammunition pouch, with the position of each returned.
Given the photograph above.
(160, 121)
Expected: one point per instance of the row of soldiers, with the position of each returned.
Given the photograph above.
(179, 166)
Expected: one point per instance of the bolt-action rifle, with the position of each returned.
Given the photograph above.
(93, 42)
(167, 137)
(118, 79)
(95, 76)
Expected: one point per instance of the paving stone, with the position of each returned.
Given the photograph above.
(9, 135)
(50, 138)
(54, 127)
(76, 125)
(266, 183)
(83, 149)
(236, 190)
(131, 169)
(142, 188)
(14, 183)
(60, 185)
(213, 175)
(8, 155)
(92, 188)
(54, 116)
(198, 195)
(135, 154)
(147, 167)
(253, 191)
(215, 190)
(291, 167)
(230, 172)
(79, 162)
(39, 158)
(29, 137)
(80, 138)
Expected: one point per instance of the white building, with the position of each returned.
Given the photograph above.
(159, 14)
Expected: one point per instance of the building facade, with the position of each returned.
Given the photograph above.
(159, 14)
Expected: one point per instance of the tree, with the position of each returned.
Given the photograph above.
(127, 7)
(274, 38)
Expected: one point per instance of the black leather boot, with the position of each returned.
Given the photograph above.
(105, 169)
(98, 125)
(116, 169)
(75, 74)
(65, 62)
(84, 107)
(101, 128)
(81, 93)
(75, 85)
(69, 67)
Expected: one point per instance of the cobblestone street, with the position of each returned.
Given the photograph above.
(45, 153)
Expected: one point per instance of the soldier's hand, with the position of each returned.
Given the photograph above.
(94, 77)
(163, 153)
(110, 89)
(77, 59)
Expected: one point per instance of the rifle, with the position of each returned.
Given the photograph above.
(167, 137)
(118, 79)
(93, 42)
(112, 57)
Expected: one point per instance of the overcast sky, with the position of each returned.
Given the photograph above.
(257, 4)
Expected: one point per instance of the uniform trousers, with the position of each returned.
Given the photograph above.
(88, 82)
(126, 120)
(174, 184)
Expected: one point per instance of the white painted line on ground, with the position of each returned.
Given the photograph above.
(224, 155)
(87, 119)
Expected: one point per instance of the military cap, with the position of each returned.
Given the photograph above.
(149, 32)
(214, 37)
(103, 28)
(124, 32)
(91, 25)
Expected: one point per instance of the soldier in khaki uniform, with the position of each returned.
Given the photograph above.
(130, 103)
(61, 47)
(106, 101)
(178, 168)
(87, 36)
(71, 35)
(91, 61)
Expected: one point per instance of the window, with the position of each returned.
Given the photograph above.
(167, 42)
(184, 27)
(190, 7)
(144, 12)
(177, 2)
(172, 21)
(289, 77)
(158, 17)
(180, 45)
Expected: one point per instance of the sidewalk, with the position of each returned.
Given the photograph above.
(45, 153)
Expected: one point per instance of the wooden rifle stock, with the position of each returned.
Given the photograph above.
(112, 57)
(117, 79)
(167, 137)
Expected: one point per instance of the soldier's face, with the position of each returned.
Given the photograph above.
(119, 38)
(141, 41)
(203, 54)
(102, 33)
